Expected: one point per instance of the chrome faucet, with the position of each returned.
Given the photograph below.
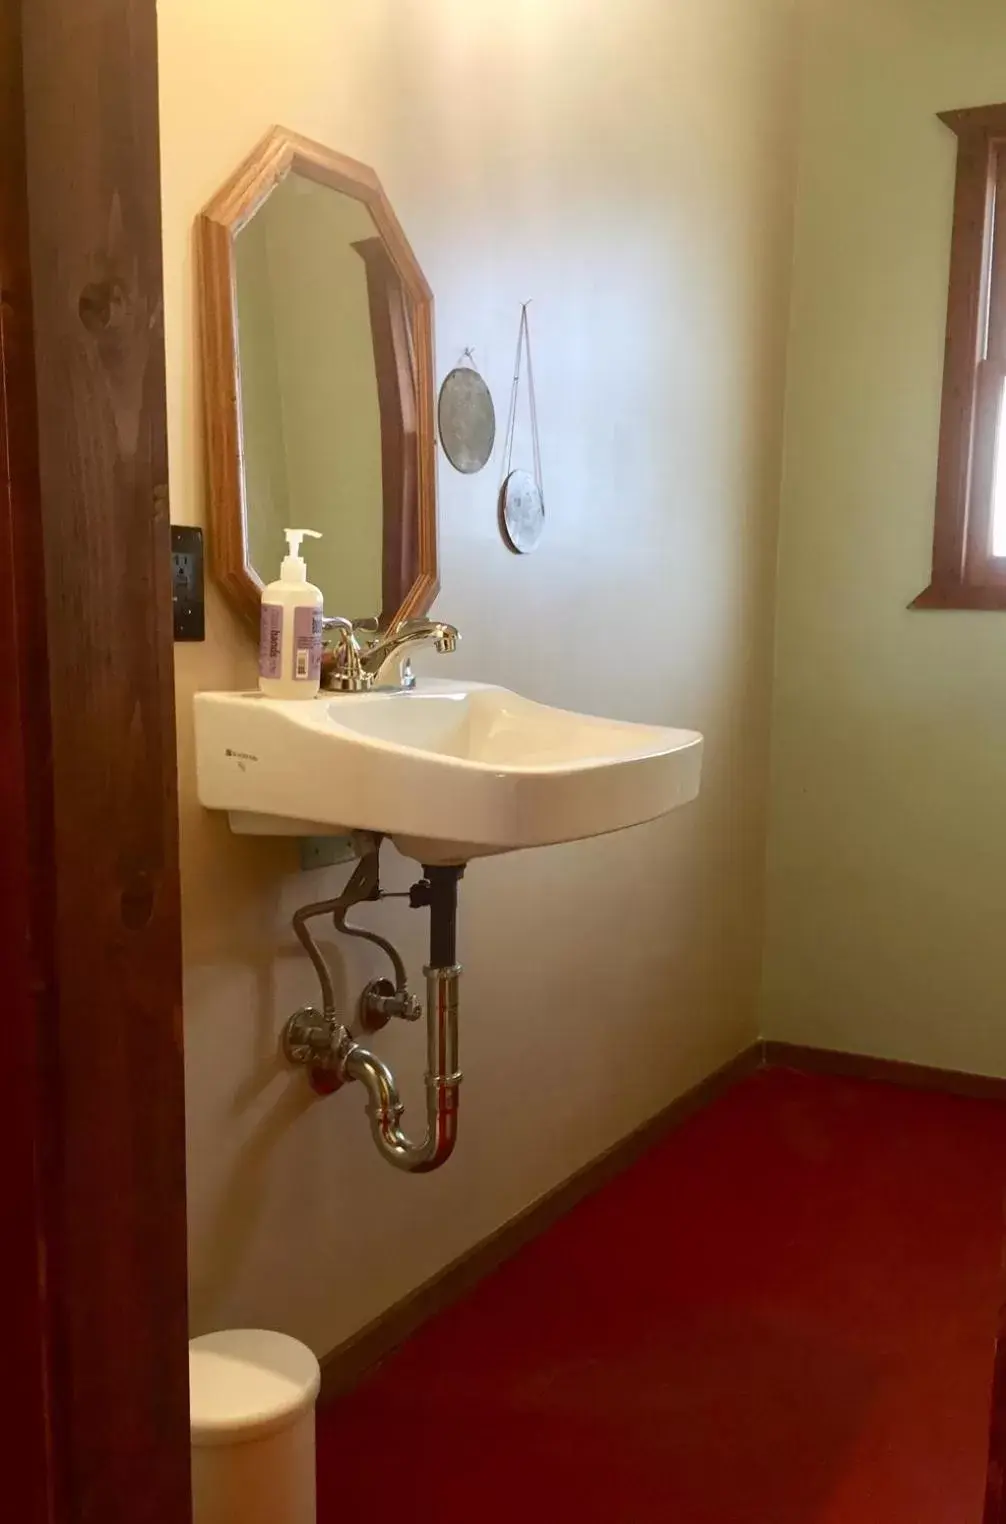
(349, 667)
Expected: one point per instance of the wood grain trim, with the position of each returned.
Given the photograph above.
(988, 121)
(114, 1092)
(279, 152)
(977, 1087)
(974, 598)
(345, 1366)
(427, 583)
(224, 453)
(981, 568)
(34, 1484)
(997, 268)
(396, 398)
(965, 575)
(243, 193)
(969, 257)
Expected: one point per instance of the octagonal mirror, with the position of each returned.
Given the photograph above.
(318, 384)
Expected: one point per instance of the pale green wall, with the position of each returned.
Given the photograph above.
(887, 854)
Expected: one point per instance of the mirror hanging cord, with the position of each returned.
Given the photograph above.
(523, 345)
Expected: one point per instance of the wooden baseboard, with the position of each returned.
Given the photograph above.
(346, 1365)
(787, 1055)
(350, 1362)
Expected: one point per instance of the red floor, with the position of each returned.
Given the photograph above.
(784, 1314)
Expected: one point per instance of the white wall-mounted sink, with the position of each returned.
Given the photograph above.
(450, 770)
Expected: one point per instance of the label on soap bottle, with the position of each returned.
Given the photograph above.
(270, 644)
(307, 644)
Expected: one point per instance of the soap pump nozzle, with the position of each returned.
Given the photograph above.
(294, 567)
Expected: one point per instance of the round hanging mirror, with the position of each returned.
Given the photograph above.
(522, 512)
(467, 419)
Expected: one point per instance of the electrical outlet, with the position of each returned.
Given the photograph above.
(187, 588)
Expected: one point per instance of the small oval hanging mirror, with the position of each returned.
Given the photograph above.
(318, 383)
(467, 419)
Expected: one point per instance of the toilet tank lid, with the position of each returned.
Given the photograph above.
(246, 1382)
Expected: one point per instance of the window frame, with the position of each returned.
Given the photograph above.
(965, 573)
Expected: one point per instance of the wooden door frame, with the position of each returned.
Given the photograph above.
(25, 837)
(92, 1126)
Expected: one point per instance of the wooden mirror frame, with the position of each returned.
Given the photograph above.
(405, 378)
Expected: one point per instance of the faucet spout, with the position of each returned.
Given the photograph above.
(352, 666)
(399, 642)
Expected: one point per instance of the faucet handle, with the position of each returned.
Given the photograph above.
(341, 667)
(336, 622)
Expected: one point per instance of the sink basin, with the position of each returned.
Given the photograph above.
(449, 770)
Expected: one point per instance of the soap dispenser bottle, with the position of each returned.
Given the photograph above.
(289, 663)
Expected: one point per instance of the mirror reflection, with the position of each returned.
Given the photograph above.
(327, 396)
